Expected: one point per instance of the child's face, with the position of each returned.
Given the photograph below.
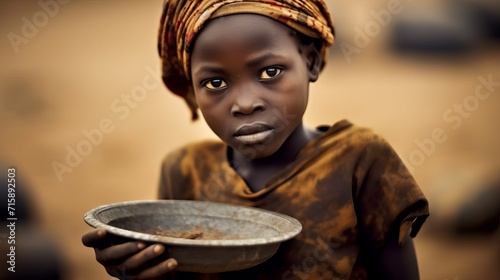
(251, 80)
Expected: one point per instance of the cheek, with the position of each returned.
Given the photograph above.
(205, 103)
(295, 95)
(213, 113)
(287, 112)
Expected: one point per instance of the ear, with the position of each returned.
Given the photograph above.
(314, 62)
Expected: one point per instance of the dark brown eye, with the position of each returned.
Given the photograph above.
(270, 73)
(215, 84)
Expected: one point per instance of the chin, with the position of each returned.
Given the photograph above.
(257, 151)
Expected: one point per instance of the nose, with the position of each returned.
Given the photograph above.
(246, 103)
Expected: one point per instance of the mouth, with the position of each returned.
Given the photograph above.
(253, 133)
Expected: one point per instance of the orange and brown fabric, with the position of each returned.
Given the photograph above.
(182, 20)
(348, 188)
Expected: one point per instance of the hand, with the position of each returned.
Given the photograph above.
(127, 260)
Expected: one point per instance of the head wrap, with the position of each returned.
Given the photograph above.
(183, 19)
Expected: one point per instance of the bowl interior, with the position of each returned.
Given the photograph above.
(195, 227)
(193, 222)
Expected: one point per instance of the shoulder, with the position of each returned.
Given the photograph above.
(202, 150)
(351, 136)
(368, 155)
(376, 154)
(182, 168)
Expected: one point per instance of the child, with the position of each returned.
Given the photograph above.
(247, 65)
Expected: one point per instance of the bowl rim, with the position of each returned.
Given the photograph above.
(91, 219)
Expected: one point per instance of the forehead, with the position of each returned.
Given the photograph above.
(243, 31)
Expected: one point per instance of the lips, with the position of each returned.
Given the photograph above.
(253, 133)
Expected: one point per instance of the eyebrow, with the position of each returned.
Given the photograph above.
(252, 62)
(208, 68)
(261, 58)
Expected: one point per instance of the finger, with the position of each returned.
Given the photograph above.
(117, 252)
(91, 238)
(158, 270)
(142, 257)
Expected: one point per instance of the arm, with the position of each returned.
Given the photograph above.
(390, 206)
(394, 261)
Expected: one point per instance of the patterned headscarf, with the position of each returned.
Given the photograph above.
(183, 19)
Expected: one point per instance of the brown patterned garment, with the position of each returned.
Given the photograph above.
(348, 188)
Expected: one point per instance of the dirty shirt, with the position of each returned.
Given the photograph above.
(348, 188)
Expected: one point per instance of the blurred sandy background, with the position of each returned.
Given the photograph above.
(92, 65)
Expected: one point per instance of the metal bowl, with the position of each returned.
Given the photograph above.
(202, 236)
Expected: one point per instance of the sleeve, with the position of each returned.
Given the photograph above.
(175, 181)
(388, 198)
